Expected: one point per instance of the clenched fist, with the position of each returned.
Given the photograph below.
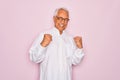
(46, 40)
(78, 41)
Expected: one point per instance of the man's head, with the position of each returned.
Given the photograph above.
(61, 18)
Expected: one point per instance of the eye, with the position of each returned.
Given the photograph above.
(60, 18)
(66, 19)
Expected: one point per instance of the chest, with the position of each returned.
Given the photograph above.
(60, 45)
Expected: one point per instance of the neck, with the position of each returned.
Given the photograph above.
(60, 32)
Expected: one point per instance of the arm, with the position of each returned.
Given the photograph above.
(37, 52)
(78, 53)
(77, 56)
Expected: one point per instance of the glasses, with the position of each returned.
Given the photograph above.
(61, 19)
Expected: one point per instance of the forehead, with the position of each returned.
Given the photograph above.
(63, 13)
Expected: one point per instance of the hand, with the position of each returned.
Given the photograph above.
(46, 40)
(78, 41)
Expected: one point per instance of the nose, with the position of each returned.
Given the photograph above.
(63, 21)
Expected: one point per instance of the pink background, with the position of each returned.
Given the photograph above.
(97, 21)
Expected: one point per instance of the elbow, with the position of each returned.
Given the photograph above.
(78, 60)
(32, 57)
(35, 58)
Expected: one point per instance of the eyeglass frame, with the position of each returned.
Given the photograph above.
(65, 19)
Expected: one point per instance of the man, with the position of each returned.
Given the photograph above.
(56, 51)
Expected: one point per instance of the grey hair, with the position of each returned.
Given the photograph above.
(56, 11)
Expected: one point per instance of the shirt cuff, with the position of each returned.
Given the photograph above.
(41, 47)
(80, 49)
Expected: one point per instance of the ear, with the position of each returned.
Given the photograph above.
(54, 18)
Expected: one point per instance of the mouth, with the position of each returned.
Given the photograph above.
(61, 25)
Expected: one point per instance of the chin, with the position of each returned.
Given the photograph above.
(61, 28)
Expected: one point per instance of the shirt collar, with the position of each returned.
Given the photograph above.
(57, 33)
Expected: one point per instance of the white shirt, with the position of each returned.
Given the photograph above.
(57, 58)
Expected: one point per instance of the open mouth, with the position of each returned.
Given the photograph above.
(61, 25)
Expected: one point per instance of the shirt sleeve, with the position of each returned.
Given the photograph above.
(77, 54)
(37, 52)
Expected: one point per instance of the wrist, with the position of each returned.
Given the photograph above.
(43, 44)
(80, 46)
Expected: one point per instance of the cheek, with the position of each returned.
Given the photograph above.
(66, 24)
(57, 22)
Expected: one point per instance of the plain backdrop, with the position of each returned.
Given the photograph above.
(97, 21)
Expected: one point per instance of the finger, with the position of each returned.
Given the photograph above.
(49, 35)
(77, 37)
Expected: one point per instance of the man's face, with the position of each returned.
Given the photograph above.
(61, 20)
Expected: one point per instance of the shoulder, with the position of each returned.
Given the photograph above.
(47, 31)
(70, 40)
(68, 35)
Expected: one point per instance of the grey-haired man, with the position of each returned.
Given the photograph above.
(56, 50)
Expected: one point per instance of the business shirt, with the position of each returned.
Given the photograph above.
(57, 58)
